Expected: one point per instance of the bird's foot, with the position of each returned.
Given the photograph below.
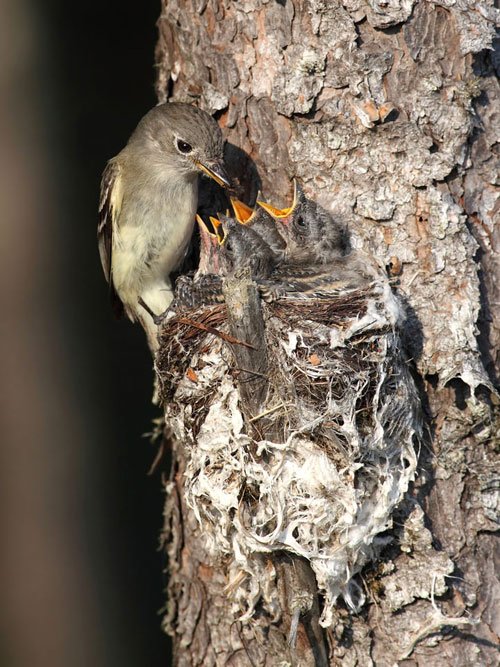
(157, 319)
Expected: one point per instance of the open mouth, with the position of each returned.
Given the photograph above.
(281, 213)
(243, 213)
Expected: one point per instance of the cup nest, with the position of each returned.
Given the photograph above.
(320, 470)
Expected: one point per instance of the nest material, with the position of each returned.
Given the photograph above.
(344, 416)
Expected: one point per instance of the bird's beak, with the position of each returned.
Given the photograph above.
(204, 229)
(216, 171)
(242, 212)
(217, 225)
(209, 245)
(277, 213)
(281, 213)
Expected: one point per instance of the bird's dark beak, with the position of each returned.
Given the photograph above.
(216, 171)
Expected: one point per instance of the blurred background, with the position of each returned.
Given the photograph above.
(81, 576)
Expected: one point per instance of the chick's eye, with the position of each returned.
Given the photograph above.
(184, 147)
(300, 222)
(228, 246)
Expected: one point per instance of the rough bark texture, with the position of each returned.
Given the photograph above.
(387, 112)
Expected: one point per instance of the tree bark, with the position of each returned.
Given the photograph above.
(387, 113)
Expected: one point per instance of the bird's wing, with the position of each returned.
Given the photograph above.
(109, 208)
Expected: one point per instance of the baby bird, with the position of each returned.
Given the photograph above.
(262, 223)
(311, 234)
(205, 287)
(227, 251)
(209, 248)
(243, 249)
(318, 260)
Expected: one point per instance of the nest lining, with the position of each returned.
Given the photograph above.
(344, 414)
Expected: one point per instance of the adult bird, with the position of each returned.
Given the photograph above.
(149, 195)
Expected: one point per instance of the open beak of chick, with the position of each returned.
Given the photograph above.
(209, 244)
(243, 213)
(219, 230)
(208, 233)
(283, 215)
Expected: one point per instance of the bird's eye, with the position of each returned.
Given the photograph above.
(228, 246)
(300, 222)
(184, 147)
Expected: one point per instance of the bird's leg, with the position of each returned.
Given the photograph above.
(157, 319)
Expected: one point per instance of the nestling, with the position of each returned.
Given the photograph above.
(311, 234)
(318, 257)
(149, 195)
(243, 249)
(261, 222)
(205, 287)
(209, 248)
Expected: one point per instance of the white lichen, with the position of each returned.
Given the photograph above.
(347, 413)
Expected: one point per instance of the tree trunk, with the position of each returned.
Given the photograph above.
(387, 113)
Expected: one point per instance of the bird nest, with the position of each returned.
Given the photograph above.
(319, 470)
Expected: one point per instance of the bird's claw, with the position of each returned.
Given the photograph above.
(157, 319)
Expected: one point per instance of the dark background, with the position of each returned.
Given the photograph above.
(81, 574)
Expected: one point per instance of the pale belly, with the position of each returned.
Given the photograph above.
(149, 243)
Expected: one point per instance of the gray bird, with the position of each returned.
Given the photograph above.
(149, 195)
(318, 261)
(239, 248)
(262, 223)
(311, 234)
(243, 249)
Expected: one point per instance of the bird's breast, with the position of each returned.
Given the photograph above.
(171, 226)
(156, 224)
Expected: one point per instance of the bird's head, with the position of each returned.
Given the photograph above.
(243, 249)
(310, 232)
(295, 222)
(185, 139)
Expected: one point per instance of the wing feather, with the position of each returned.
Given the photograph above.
(109, 209)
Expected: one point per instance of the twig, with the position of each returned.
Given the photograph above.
(214, 331)
(267, 412)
